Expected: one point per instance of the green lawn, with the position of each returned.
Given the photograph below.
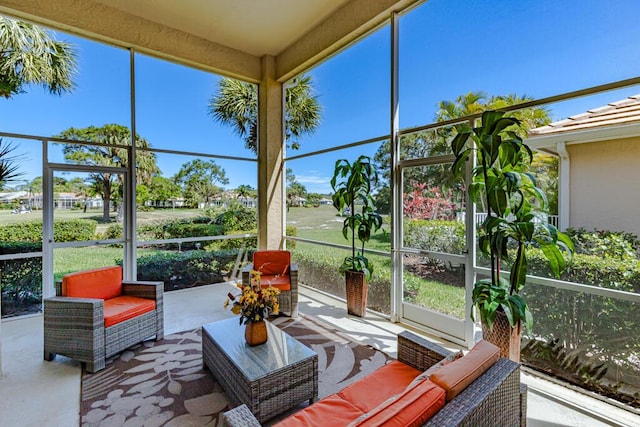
(6, 217)
(321, 223)
(68, 260)
(324, 224)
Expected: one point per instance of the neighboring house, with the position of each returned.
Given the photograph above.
(12, 196)
(598, 177)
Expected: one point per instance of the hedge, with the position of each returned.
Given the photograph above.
(435, 235)
(179, 270)
(589, 335)
(63, 231)
(20, 279)
(318, 267)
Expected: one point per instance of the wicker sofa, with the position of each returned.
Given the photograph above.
(495, 398)
(96, 315)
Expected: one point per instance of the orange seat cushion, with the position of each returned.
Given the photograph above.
(457, 375)
(100, 283)
(375, 388)
(281, 282)
(123, 308)
(271, 262)
(412, 408)
(332, 411)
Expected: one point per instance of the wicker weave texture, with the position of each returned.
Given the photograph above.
(239, 416)
(418, 352)
(74, 327)
(491, 400)
(494, 399)
(288, 300)
(269, 395)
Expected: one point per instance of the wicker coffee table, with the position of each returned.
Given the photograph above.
(269, 378)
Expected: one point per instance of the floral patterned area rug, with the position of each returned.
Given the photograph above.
(164, 383)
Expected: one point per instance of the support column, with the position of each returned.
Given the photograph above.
(564, 187)
(270, 159)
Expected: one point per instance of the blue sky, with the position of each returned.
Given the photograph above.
(447, 47)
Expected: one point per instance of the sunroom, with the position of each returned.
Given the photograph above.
(390, 78)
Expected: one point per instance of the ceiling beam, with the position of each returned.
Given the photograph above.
(346, 25)
(97, 21)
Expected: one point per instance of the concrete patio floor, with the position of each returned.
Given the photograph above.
(37, 393)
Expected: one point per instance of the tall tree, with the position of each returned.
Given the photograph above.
(163, 189)
(235, 103)
(197, 179)
(30, 56)
(437, 141)
(108, 153)
(245, 191)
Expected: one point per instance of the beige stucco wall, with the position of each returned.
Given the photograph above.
(605, 185)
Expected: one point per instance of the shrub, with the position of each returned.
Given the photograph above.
(74, 230)
(20, 279)
(292, 231)
(605, 243)
(63, 231)
(28, 231)
(240, 243)
(318, 267)
(435, 235)
(584, 329)
(179, 270)
(114, 231)
(19, 247)
(186, 229)
(235, 217)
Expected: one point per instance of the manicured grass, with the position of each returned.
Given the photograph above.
(441, 297)
(320, 223)
(6, 217)
(438, 296)
(324, 224)
(68, 260)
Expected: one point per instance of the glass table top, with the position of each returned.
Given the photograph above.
(280, 350)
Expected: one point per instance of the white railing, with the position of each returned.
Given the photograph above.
(481, 216)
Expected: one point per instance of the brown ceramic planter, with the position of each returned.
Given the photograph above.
(357, 289)
(504, 336)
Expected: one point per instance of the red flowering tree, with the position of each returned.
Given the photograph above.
(428, 203)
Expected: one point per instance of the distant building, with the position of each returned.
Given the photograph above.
(598, 173)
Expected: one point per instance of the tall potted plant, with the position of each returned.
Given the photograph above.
(352, 184)
(516, 221)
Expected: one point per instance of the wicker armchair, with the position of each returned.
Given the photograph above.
(77, 325)
(277, 271)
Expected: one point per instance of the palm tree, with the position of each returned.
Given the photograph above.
(235, 104)
(8, 167)
(29, 56)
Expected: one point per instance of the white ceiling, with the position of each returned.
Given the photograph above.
(257, 27)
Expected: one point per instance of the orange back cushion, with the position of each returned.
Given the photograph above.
(375, 388)
(271, 262)
(457, 375)
(412, 408)
(100, 283)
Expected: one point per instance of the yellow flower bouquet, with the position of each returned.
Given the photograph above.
(254, 303)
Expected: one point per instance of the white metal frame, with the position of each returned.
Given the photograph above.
(48, 243)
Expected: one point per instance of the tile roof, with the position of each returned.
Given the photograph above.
(617, 113)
